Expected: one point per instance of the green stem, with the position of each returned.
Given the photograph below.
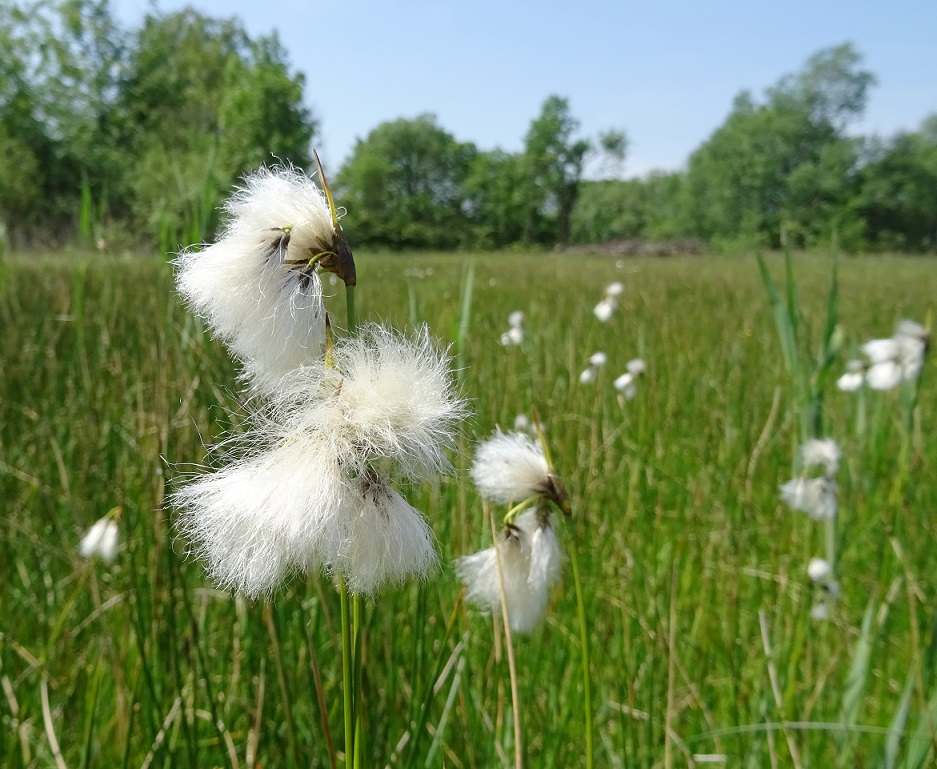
(348, 654)
(584, 640)
(357, 630)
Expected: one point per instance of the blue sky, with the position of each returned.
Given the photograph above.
(666, 72)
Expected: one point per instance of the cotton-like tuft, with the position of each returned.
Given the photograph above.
(388, 540)
(276, 509)
(100, 540)
(627, 385)
(525, 598)
(636, 366)
(614, 289)
(385, 396)
(546, 557)
(516, 319)
(513, 336)
(819, 570)
(254, 286)
(814, 496)
(823, 453)
(598, 359)
(850, 381)
(605, 309)
(587, 376)
(510, 467)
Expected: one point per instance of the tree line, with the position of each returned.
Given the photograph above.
(130, 138)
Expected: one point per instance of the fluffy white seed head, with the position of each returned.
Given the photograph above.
(587, 376)
(516, 319)
(510, 467)
(525, 594)
(258, 517)
(636, 366)
(605, 309)
(269, 312)
(820, 611)
(823, 453)
(387, 542)
(513, 336)
(850, 381)
(885, 375)
(522, 423)
(614, 289)
(598, 359)
(100, 540)
(627, 385)
(546, 557)
(385, 396)
(819, 570)
(814, 496)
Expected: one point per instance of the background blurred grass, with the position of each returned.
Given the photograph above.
(110, 388)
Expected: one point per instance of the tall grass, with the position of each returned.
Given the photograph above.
(692, 572)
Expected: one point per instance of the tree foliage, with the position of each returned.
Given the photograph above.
(151, 126)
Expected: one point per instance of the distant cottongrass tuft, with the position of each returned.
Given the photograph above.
(100, 540)
(814, 496)
(254, 286)
(891, 361)
(824, 453)
(627, 383)
(515, 333)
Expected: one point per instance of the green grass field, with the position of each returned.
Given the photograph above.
(693, 570)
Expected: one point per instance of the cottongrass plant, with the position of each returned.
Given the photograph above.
(525, 560)
(310, 486)
(815, 495)
(889, 362)
(102, 539)
(609, 302)
(591, 372)
(515, 334)
(627, 383)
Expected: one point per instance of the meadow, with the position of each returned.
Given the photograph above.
(697, 598)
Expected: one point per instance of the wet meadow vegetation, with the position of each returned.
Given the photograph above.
(694, 574)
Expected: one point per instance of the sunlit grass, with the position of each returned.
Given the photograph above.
(110, 389)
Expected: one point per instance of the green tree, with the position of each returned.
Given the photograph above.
(783, 166)
(897, 192)
(201, 105)
(405, 186)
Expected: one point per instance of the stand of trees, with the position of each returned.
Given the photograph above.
(131, 138)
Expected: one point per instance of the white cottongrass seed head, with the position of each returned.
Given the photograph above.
(588, 376)
(100, 540)
(254, 287)
(627, 385)
(384, 396)
(821, 452)
(598, 359)
(305, 495)
(605, 309)
(531, 561)
(511, 467)
(636, 366)
(513, 336)
(516, 319)
(615, 289)
(814, 496)
(819, 570)
(897, 359)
